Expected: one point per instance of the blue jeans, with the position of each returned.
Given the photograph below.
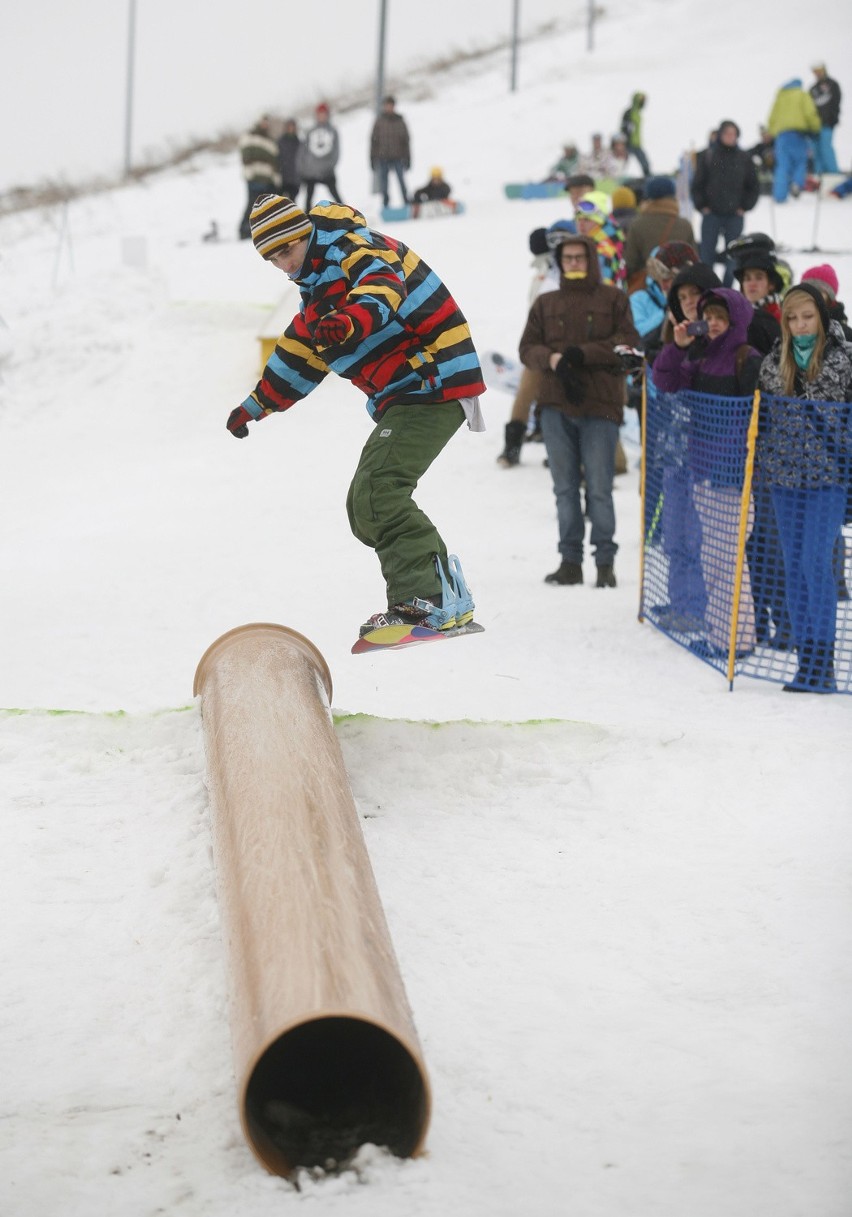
(579, 447)
(791, 163)
(825, 160)
(681, 529)
(809, 522)
(731, 227)
(384, 170)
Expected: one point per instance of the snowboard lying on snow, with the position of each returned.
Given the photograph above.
(534, 190)
(390, 637)
(431, 209)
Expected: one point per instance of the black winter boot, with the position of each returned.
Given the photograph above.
(606, 576)
(511, 454)
(569, 572)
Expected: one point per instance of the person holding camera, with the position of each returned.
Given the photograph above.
(727, 368)
(570, 340)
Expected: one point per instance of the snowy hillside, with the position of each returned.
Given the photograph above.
(619, 893)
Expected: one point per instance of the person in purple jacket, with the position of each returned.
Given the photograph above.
(726, 367)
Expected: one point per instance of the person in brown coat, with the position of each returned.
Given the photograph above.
(570, 338)
(659, 221)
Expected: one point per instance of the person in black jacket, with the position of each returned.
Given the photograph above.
(724, 188)
(826, 95)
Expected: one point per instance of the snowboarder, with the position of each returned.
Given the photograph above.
(373, 312)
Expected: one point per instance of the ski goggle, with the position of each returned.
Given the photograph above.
(588, 211)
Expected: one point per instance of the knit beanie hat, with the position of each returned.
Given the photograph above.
(675, 255)
(276, 221)
(823, 277)
(810, 289)
(623, 197)
(659, 188)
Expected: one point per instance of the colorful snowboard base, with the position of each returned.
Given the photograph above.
(390, 637)
(431, 209)
(534, 190)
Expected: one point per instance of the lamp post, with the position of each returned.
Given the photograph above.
(513, 79)
(128, 106)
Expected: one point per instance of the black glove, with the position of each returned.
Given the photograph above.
(574, 357)
(569, 378)
(630, 358)
(237, 420)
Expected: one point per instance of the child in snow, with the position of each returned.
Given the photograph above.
(373, 312)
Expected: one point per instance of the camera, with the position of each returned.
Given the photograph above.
(697, 329)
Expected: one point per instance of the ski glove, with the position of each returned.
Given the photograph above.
(571, 383)
(573, 356)
(332, 330)
(237, 420)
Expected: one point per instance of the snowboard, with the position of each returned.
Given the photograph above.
(391, 637)
(501, 372)
(431, 209)
(534, 190)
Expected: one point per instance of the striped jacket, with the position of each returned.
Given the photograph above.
(410, 342)
(259, 156)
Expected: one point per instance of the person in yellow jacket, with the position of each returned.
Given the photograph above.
(793, 118)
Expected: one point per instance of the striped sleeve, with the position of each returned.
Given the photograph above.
(292, 371)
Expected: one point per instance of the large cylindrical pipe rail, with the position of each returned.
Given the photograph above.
(325, 1050)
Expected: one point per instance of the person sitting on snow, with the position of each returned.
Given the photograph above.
(435, 188)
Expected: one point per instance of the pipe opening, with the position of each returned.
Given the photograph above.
(326, 1087)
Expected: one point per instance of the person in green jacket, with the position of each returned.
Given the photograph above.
(631, 129)
(793, 118)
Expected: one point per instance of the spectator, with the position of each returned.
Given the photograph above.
(724, 188)
(624, 207)
(763, 159)
(390, 149)
(599, 162)
(259, 157)
(569, 338)
(658, 222)
(566, 165)
(545, 279)
(373, 312)
(318, 157)
(825, 278)
(803, 448)
(761, 284)
(726, 367)
(620, 154)
(792, 120)
(435, 188)
(578, 185)
(826, 94)
(680, 525)
(593, 218)
(288, 158)
(631, 129)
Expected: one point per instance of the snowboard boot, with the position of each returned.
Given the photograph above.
(606, 576)
(569, 572)
(413, 612)
(511, 454)
(464, 600)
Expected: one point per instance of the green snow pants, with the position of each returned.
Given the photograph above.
(382, 513)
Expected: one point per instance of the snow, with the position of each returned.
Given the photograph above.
(619, 893)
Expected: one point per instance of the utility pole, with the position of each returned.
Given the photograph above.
(516, 11)
(590, 28)
(380, 70)
(128, 107)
